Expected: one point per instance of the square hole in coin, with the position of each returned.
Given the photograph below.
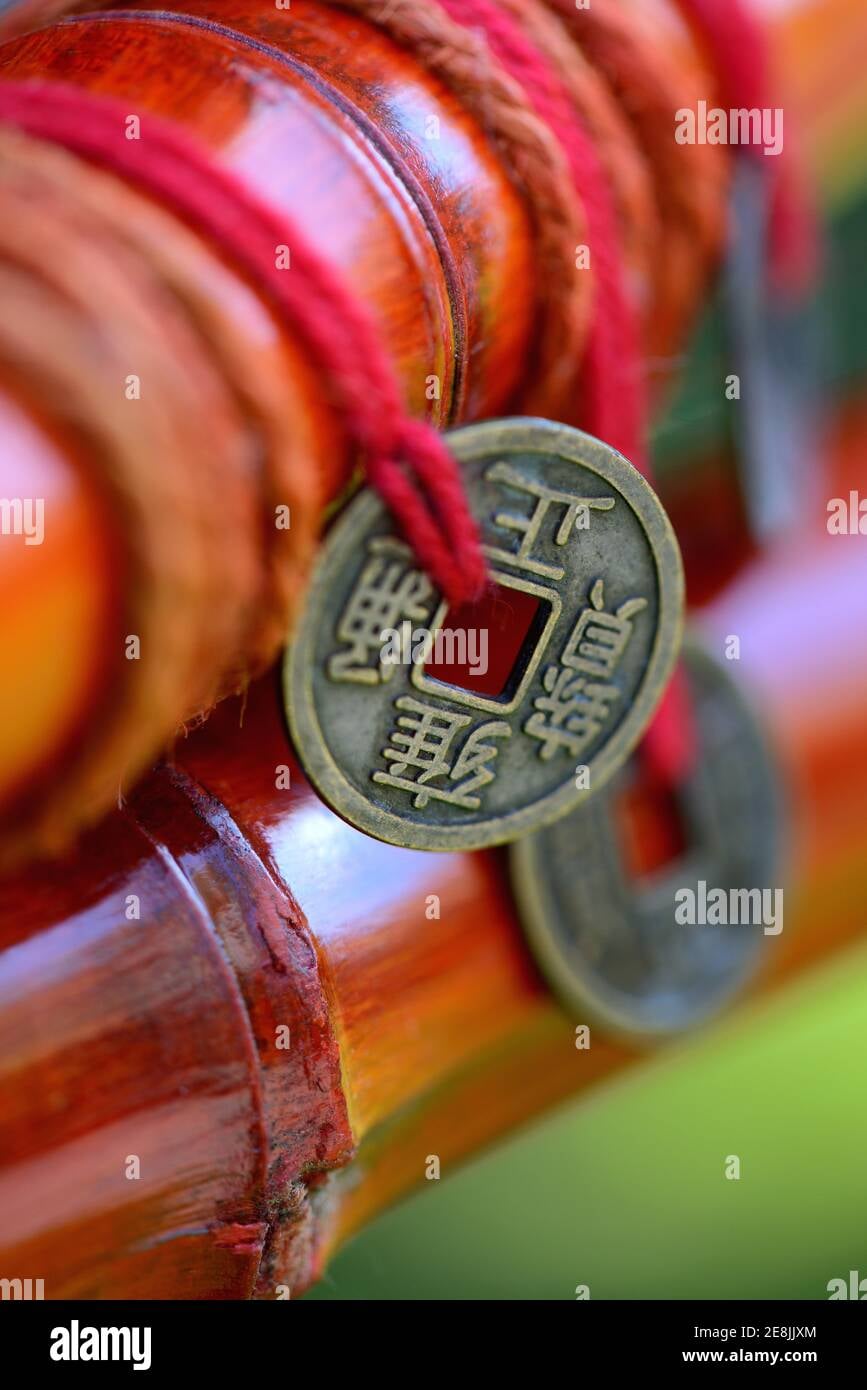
(485, 647)
(651, 828)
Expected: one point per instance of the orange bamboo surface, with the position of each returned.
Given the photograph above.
(434, 235)
(155, 1038)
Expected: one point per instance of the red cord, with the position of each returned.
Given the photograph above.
(614, 394)
(406, 461)
(737, 43)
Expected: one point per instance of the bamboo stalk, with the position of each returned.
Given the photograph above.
(157, 1037)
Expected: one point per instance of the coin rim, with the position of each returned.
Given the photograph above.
(468, 442)
(576, 995)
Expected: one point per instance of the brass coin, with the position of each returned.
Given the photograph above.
(454, 731)
(626, 953)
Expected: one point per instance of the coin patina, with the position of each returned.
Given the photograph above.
(445, 730)
(615, 946)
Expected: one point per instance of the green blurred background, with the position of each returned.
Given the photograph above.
(625, 1191)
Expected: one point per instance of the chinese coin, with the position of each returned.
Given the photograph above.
(442, 730)
(652, 954)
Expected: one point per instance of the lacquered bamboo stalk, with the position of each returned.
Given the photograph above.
(156, 1037)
